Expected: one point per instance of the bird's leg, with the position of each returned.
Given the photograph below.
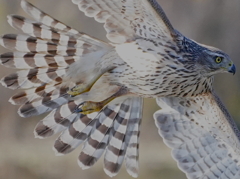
(88, 107)
(85, 87)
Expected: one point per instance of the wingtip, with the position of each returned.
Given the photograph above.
(36, 135)
(110, 174)
(11, 16)
(133, 172)
(56, 152)
(82, 166)
(24, 3)
(3, 83)
(134, 175)
(11, 101)
(75, 1)
(1, 41)
(9, 19)
(20, 113)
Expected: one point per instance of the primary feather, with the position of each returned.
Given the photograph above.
(201, 134)
(44, 55)
(147, 58)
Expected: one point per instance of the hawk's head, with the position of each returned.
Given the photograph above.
(213, 60)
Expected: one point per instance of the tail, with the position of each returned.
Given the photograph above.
(48, 57)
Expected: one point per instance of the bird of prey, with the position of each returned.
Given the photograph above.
(94, 89)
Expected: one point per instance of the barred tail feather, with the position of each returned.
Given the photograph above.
(39, 30)
(115, 129)
(60, 27)
(52, 58)
(132, 153)
(44, 56)
(50, 34)
(52, 124)
(132, 137)
(25, 79)
(50, 98)
(26, 43)
(116, 149)
(21, 60)
(44, 104)
(32, 94)
(58, 120)
(44, 18)
(76, 134)
(98, 140)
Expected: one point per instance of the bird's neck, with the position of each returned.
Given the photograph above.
(206, 85)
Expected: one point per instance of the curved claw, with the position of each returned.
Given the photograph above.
(78, 108)
(89, 107)
(79, 89)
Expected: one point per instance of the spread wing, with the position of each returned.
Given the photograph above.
(203, 137)
(43, 56)
(126, 20)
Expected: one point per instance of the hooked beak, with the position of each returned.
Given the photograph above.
(232, 69)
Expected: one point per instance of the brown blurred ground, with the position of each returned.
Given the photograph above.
(214, 22)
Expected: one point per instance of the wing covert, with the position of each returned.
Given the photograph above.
(126, 20)
(203, 142)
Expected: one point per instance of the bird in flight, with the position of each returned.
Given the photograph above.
(94, 89)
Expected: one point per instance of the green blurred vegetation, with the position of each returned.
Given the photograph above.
(214, 22)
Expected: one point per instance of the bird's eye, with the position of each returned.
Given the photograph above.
(218, 59)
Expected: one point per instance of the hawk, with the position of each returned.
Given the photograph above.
(94, 89)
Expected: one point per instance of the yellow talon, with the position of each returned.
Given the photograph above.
(79, 89)
(87, 85)
(89, 107)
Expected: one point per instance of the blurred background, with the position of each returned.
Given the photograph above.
(214, 22)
